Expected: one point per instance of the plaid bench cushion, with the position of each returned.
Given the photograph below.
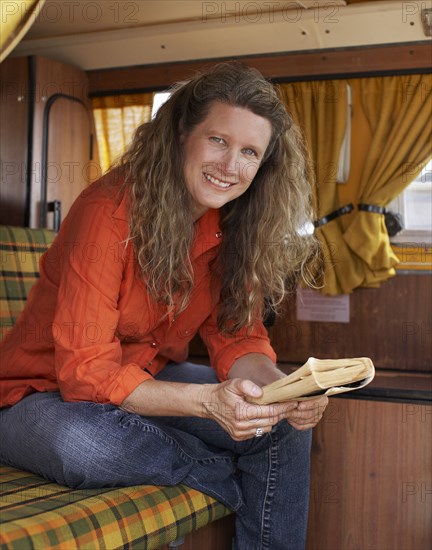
(36, 514)
(20, 252)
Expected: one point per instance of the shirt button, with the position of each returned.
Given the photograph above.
(150, 363)
(154, 344)
(219, 234)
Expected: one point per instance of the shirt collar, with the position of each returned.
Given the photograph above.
(208, 234)
(121, 212)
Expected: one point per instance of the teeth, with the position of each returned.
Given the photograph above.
(217, 182)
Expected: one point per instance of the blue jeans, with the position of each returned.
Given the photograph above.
(87, 445)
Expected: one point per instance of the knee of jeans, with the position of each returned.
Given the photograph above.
(188, 372)
(300, 439)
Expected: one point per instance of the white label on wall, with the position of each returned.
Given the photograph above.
(313, 306)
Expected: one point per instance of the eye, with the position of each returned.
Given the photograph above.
(217, 139)
(250, 152)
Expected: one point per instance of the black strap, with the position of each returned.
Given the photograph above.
(346, 209)
(371, 208)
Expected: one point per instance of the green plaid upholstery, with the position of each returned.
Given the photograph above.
(20, 252)
(38, 515)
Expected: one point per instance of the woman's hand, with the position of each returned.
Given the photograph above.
(308, 413)
(258, 370)
(226, 403)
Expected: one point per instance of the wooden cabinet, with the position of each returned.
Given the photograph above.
(371, 482)
(14, 124)
(48, 149)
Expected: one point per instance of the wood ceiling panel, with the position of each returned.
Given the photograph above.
(65, 17)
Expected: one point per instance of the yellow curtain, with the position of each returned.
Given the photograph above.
(398, 110)
(320, 109)
(116, 119)
(17, 16)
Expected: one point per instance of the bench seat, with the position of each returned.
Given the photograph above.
(38, 515)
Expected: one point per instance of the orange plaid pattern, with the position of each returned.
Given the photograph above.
(35, 513)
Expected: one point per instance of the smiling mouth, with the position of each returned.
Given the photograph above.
(216, 181)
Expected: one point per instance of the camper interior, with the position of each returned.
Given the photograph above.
(77, 78)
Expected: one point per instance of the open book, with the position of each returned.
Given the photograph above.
(319, 377)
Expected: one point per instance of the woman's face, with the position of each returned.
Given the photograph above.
(222, 154)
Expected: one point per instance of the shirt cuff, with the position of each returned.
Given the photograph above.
(131, 377)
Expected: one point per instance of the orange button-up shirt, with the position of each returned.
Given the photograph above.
(90, 328)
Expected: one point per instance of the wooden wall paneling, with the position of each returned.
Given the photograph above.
(69, 169)
(371, 479)
(14, 124)
(296, 66)
(214, 536)
(391, 324)
(53, 78)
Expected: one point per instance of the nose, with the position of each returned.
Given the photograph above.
(230, 163)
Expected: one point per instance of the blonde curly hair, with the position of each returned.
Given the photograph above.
(263, 248)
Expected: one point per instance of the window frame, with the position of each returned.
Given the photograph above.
(407, 235)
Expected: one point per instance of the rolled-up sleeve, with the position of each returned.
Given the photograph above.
(224, 349)
(88, 353)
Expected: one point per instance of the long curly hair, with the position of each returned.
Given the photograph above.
(263, 248)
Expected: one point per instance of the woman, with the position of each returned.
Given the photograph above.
(197, 224)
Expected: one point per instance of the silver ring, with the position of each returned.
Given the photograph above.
(259, 432)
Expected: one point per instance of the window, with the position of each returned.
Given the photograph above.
(158, 100)
(343, 170)
(415, 206)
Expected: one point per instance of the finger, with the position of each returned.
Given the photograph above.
(311, 422)
(302, 427)
(322, 402)
(305, 416)
(311, 410)
(240, 433)
(282, 407)
(304, 423)
(277, 412)
(247, 426)
(260, 431)
(272, 413)
(245, 387)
